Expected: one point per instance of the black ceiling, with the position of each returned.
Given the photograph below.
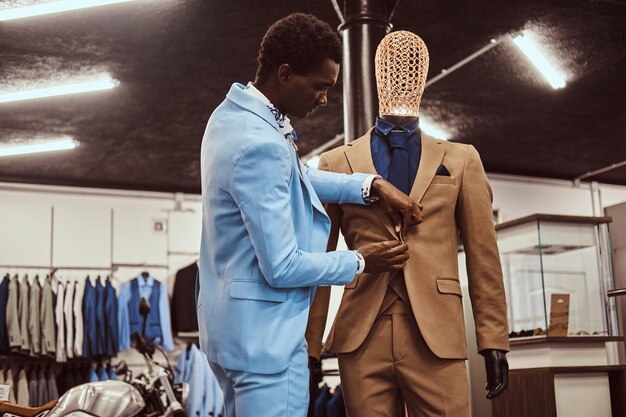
(175, 60)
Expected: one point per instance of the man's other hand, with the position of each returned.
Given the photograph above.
(385, 256)
(401, 209)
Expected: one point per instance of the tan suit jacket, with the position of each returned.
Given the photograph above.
(460, 203)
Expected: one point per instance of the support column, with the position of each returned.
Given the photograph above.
(364, 24)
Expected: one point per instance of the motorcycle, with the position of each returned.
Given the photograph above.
(151, 394)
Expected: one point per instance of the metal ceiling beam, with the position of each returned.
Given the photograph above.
(364, 24)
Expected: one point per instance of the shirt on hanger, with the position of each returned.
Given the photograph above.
(61, 355)
(93, 375)
(12, 315)
(111, 320)
(4, 298)
(205, 397)
(32, 389)
(112, 374)
(100, 319)
(23, 395)
(102, 374)
(34, 323)
(89, 320)
(79, 291)
(53, 389)
(9, 381)
(68, 311)
(47, 319)
(42, 389)
(23, 314)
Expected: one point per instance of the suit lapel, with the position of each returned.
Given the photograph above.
(359, 155)
(432, 155)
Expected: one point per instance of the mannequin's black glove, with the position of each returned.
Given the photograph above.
(497, 372)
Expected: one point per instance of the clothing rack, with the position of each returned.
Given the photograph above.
(24, 359)
(116, 266)
(49, 267)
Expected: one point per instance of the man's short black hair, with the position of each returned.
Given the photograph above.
(301, 40)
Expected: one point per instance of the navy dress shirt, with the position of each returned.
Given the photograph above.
(381, 152)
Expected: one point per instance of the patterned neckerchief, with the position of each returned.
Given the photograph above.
(284, 124)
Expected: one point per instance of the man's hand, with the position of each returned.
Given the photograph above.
(497, 368)
(403, 211)
(385, 256)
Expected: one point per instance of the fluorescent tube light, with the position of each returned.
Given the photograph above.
(101, 83)
(53, 7)
(49, 146)
(528, 48)
(431, 129)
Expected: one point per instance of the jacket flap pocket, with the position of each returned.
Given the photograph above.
(442, 179)
(253, 290)
(449, 286)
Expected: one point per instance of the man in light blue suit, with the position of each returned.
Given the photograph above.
(264, 229)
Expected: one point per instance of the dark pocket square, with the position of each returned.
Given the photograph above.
(442, 170)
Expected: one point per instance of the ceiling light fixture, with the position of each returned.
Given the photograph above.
(58, 144)
(102, 83)
(53, 7)
(525, 43)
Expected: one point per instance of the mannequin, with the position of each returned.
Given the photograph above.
(400, 338)
(402, 62)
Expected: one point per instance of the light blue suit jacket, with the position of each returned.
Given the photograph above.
(264, 236)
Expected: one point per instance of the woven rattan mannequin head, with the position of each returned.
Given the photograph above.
(401, 69)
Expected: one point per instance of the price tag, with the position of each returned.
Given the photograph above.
(4, 392)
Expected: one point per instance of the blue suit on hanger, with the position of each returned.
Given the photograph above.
(102, 374)
(4, 295)
(101, 334)
(90, 333)
(110, 307)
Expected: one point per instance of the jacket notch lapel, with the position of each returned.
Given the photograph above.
(359, 155)
(432, 155)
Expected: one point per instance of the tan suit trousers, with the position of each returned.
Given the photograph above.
(394, 368)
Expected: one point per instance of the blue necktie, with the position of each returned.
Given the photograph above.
(399, 168)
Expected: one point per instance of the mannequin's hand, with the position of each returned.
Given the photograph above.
(403, 211)
(497, 372)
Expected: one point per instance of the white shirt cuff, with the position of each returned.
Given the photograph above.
(360, 262)
(366, 189)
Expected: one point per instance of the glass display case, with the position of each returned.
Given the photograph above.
(563, 258)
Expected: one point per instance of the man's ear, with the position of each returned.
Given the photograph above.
(284, 73)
